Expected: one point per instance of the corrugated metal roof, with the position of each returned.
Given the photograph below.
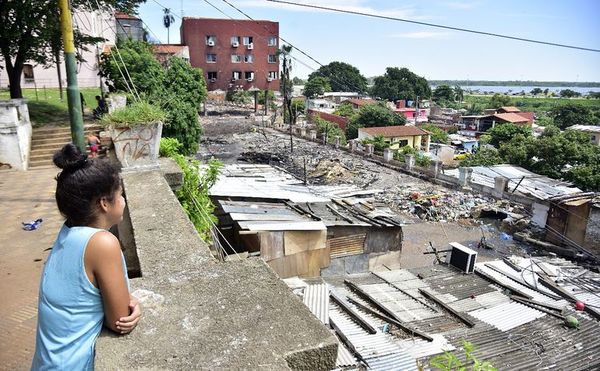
(344, 357)
(420, 348)
(507, 315)
(316, 298)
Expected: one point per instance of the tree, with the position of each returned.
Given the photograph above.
(437, 135)
(568, 93)
(498, 101)
(298, 109)
(168, 20)
(443, 93)
(459, 93)
(146, 73)
(298, 81)
(536, 91)
(400, 83)
(29, 28)
(342, 77)
(504, 133)
(330, 130)
(373, 115)
(572, 114)
(345, 110)
(485, 156)
(316, 87)
(379, 143)
(594, 94)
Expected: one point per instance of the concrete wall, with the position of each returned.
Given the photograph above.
(592, 236)
(15, 133)
(200, 313)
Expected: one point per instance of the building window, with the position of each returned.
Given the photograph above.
(273, 75)
(272, 41)
(272, 58)
(403, 143)
(236, 58)
(211, 40)
(236, 75)
(593, 136)
(28, 72)
(212, 76)
(211, 58)
(249, 58)
(235, 41)
(247, 40)
(249, 75)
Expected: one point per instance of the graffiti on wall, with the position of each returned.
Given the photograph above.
(135, 144)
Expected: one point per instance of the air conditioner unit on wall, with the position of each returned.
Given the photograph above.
(251, 46)
(462, 257)
(213, 80)
(269, 79)
(211, 43)
(235, 44)
(250, 79)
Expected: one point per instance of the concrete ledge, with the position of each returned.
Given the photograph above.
(203, 314)
(172, 172)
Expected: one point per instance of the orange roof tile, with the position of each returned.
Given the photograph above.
(121, 15)
(508, 109)
(394, 131)
(510, 117)
(167, 48)
(360, 102)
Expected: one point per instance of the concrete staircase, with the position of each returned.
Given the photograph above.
(46, 141)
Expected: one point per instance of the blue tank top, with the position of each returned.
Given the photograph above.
(70, 309)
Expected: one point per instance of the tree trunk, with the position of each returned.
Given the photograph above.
(60, 87)
(14, 79)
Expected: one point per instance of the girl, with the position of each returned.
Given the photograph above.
(84, 282)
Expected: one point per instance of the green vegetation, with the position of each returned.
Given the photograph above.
(379, 143)
(47, 106)
(572, 114)
(400, 83)
(540, 105)
(137, 113)
(179, 89)
(330, 129)
(345, 110)
(450, 362)
(342, 77)
(443, 93)
(437, 135)
(316, 86)
(516, 83)
(373, 115)
(193, 194)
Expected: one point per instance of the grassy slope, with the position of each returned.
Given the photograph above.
(539, 105)
(48, 108)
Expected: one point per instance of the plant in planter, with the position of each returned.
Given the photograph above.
(136, 130)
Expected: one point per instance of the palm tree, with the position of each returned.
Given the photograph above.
(459, 93)
(168, 20)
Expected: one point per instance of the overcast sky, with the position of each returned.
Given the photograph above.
(373, 44)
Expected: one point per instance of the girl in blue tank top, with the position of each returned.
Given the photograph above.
(84, 283)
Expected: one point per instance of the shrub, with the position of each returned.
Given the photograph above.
(137, 113)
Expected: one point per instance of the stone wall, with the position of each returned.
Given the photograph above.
(15, 133)
(200, 313)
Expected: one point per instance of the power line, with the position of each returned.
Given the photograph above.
(436, 25)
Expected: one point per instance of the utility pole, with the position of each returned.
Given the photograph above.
(286, 76)
(73, 98)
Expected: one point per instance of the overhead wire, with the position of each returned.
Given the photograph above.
(493, 34)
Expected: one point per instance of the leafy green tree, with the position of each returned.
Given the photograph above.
(29, 33)
(485, 156)
(298, 81)
(437, 135)
(238, 96)
(572, 114)
(504, 133)
(373, 115)
(498, 101)
(400, 83)
(459, 93)
(518, 151)
(379, 143)
(536, 91)
(316, 86)
(594, 94)
(345, 110)
(298, 109)
(147, 75)
(330, 129)
(474, 109)
(443, 93)
(342, 77)
(568, 93)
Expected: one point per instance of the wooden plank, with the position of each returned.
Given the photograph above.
(271, 245)
(398, 322)
(347, 245)
(300, 241)
(257, 210)
(536, 307)
(282, 226)
(355, 316)
(467, 321)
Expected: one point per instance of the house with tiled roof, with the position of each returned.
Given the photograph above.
(399, 136)
(163, 52)
(357, 103)
(475, 125)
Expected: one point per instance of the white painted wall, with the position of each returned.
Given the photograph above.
(15, 133)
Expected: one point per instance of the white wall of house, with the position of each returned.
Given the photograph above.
(95, 23)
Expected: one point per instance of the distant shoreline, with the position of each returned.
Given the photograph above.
(540, 84)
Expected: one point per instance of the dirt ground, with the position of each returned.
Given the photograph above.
(234, 139)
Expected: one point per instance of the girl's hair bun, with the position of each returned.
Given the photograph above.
(70, 158)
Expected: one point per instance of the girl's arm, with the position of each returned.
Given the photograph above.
(103, 260)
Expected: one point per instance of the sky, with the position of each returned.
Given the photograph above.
(372, 44)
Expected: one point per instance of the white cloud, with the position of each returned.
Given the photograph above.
(348, 5)
(422, 35)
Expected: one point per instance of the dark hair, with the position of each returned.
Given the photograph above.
(81, 183)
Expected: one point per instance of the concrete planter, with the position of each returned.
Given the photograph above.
(137, 146)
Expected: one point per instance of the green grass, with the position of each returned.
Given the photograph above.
(539, 105)
(138, 113)
(48, 109)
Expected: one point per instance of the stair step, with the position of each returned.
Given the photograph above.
(65, 129)
(44, 146)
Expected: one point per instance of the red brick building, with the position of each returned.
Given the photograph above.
(234, 54)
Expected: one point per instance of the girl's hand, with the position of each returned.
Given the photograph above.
(127, 324)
